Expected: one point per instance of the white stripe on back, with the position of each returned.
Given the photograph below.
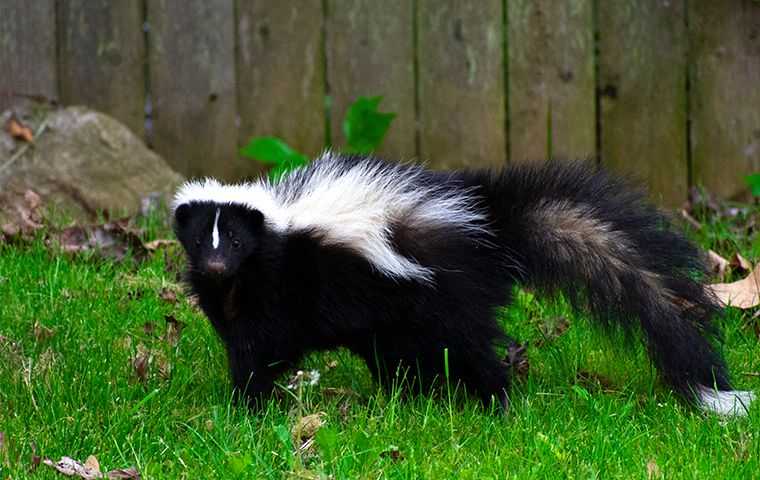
(354, 205)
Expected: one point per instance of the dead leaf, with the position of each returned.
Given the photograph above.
(306, 427)
(173, 329)
(130, 473)
(393, 453)
(163, 365)
(716, 264)
(516, 359)
(18, 130)
(330, 365)
(653, 471)
(154, 245)
(36, 459)
(168, 295)
(141, 362)
(740, 263)
(70, 467)
(742, 294)
(26, 216)
(41, 332)
(92, 463)
(149, 328)
(110, 240)
(209, 425)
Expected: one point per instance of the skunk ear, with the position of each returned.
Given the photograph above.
(254, 217)
(181, 214)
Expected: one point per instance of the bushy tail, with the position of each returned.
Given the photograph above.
(579, 229)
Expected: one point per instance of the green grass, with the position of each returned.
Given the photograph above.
(587, 408)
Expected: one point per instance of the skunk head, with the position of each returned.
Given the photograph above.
(218, 237)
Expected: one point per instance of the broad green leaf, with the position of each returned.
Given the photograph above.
(364, 126)
(275, 153)
(754, 183)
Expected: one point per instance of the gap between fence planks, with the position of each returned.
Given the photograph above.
(725, 93)
(552, 110)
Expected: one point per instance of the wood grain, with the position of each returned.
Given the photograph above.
(642, 70)
(552, 109)
(27, 50)
(281, 88)
(192, 81)
(461, 83)
(725, 94)
(102, 58)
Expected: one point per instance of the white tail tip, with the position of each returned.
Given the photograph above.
(725, 402)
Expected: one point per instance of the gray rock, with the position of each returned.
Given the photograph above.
(82, 161)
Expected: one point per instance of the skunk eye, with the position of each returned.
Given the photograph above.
(198, 242)
(236, 243)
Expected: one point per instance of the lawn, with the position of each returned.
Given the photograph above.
(97, 358)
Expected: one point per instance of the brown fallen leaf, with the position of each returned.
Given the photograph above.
(716, 264)
(149, 328)
(393, 453)
(18, 130)
(92, 463)
(25, 216)
(110, 240)
(141, 362)
(154, 245)
(130, 473)
(173, 329)
(70, 467)
(742, 294)
(305, 428)
(740, 263)
(36, 459)
(516, 359)
(168, 295)
(41, 332)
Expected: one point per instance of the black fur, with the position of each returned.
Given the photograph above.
(555, 226)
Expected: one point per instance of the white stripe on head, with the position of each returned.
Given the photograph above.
(215, 232)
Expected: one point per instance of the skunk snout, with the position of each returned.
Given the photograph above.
(216, 267)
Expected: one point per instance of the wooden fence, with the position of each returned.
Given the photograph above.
(667, 90)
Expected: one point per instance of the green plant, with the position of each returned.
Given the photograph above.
(364, 126)
(754, 183)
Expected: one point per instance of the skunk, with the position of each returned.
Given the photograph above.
(398, 263)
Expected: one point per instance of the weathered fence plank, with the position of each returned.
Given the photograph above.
(370, 51)
(27, 50)
(102, 58)
(192, 83)
(552, 109)
(461, 83)
(642, 84)
(280, 85)
(725, 93)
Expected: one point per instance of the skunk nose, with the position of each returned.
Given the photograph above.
(216, 267)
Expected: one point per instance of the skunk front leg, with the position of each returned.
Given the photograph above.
(252, 374)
